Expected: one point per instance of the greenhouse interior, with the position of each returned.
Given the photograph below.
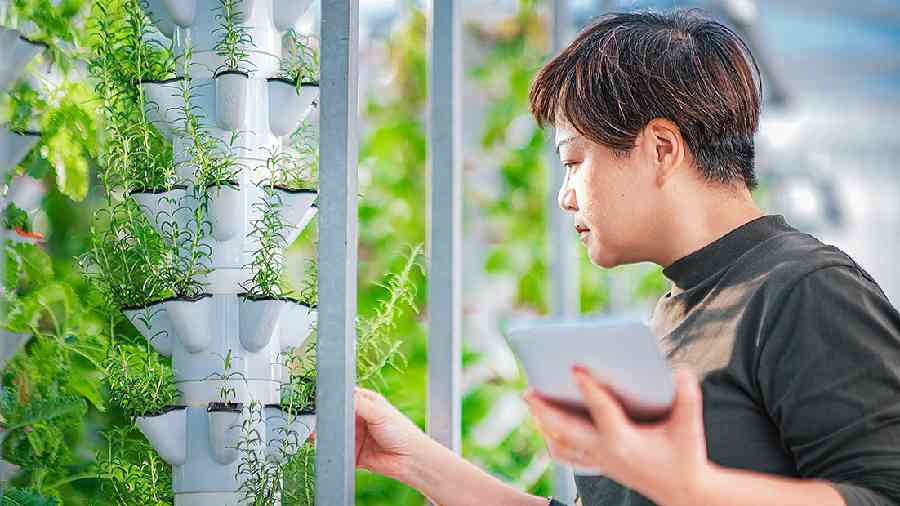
(362, 181)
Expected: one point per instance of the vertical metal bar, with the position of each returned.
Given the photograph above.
(336, 355)
(564, 286)
(445, 212)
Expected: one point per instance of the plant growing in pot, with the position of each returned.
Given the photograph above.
(226, 417)
(143, 387)
(296, 87)
(232, 78)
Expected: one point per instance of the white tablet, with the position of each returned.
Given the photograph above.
(622, 353)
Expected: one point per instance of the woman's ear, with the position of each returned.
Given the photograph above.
(663, 147)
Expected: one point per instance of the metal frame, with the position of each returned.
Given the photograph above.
(561, 246)
(445, 217)
(338, 233)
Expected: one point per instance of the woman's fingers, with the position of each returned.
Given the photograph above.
(560, 427)
(606, 411)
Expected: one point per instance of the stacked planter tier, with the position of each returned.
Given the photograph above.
(227, 348)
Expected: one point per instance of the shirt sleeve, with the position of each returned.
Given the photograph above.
(828, 370)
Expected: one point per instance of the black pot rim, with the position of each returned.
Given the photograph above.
(231, 72)
(231, 183)
(148, 305)
(305, 84)
(282, 298)
(164, 411)
(224, 407)
(158, 191)
(308, 411)
(34, 42)
(27, 133)
(286, 189)
(162, 81)
(195, 298)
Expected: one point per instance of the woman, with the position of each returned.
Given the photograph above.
(797, 348)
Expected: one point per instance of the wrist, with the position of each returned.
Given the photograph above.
(417, 468)
(694, 487)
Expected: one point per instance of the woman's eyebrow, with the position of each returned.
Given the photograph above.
(565, 141)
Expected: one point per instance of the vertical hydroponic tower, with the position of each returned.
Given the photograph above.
(226, 214)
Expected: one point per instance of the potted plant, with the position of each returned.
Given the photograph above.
(295, 89)
(143, 388)
(232, 78)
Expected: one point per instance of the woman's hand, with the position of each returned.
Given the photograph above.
(387, 442)
(663, 460)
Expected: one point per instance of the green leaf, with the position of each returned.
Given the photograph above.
(19, 497)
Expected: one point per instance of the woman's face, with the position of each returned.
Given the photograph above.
(612, 197)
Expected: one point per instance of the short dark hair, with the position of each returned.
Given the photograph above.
(629, 68)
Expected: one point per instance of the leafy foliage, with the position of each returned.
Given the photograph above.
(132, 472)
(300, 64)
(233, 37)
(19, 497)
(138, 382)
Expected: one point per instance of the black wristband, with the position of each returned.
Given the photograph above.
(554, 502)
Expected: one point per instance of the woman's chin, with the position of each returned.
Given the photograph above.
(601, 257)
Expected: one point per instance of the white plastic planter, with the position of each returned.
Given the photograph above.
(225, 431)
(295, 325)
(286, 433)
(182, 12)
(287, 107)
(160, 17)
(14, 146)
(252, 142)
(168, 211)
(297, 210)
(226, 212)
(154, 324)
(259, 319)
(164, 104)
(15, 54)
(193, 321)
(232, 90)
(285, 13)
(167, 433)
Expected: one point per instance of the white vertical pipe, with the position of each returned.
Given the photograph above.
(563, 256)
(445, 213)
(338, 231)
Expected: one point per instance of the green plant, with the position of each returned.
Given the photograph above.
(138, 382)
(19, 497)
(131, 471)
(128, 262)
(377, 346)
(260, 476)
(134, 154)
(234, 38)
(300, 64)
(268, 230)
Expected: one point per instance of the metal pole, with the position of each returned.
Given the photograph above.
(563, 257)
(336, 354)
(445, 212)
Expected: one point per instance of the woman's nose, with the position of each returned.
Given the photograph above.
(567, 200)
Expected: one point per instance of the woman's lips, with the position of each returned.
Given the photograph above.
(583, 232)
